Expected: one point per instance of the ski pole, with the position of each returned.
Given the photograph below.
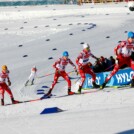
(77, 80)
(46, 75)
(109, 67)
(52, 74)
(104, 70)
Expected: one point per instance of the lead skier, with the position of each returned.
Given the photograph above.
(124, 56)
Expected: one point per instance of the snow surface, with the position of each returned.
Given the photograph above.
(94, 113)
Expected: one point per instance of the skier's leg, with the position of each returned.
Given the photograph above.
(132, 66)
(83, 77)
(116, 68)
(8, 90)
(56, 76)
(2, 95)
(32, 83)
(66, 77)
(90, 71)
(26, 82)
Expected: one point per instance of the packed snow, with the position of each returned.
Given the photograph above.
(38, 35)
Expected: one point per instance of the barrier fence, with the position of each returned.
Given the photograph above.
(122, 77)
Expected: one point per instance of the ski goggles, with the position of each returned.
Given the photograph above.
(88, 48)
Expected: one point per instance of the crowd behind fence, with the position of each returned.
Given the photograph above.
(104, 64)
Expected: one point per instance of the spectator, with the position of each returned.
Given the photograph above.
(103, 64)
(98, 67)
(112, 62)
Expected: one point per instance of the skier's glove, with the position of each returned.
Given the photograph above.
(89, 64)
(9, 83)
(76, 71)
(97, 59)
(58, 71)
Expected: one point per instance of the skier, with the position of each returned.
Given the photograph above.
(60, 66)
(32, 76)
(4, 75)
(83, 66)
(123, 53)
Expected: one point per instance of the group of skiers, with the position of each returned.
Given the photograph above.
(124, 53)
(124, 56)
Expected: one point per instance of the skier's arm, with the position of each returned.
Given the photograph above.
(35, 76)
(57, 62)
(118, 48)
(72, 64)
(77, 60)
(94, 56)
(8, 80)
(75, 69)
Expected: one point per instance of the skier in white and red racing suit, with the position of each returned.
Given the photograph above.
(60, 66)
(124, 56)
(32, 76)
(4, 87)
(84, 66)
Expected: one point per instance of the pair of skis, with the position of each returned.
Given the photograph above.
(34, 100)
(83, 92)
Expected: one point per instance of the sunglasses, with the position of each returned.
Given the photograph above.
(65, 56)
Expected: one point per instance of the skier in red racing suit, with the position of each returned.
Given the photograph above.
(124, 56)
(60, 66)
(84, 66)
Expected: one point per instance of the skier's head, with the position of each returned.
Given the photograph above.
(86, 47)
(65, 54)
(131, 37)
(4, 68)
(34, 66)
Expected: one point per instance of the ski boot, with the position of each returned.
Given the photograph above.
(47, 95)
(26, 82)
(14, 101)
(2, 102)
(49, 92)
(95, 85)
(79, 90)
(32, 83)
(70, 92)
(103, 85)
(132, 83)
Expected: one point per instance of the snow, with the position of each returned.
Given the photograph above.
(97, 113)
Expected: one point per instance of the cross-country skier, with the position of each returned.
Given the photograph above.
(32, 76)
(4, 75)
(124, 56)
(83, 66)
(60, 66)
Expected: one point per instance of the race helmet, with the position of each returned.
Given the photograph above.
(130, 34)
(65, 53)
(86, 45)
(4, 67)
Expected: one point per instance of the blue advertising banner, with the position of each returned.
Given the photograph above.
(122, 77)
